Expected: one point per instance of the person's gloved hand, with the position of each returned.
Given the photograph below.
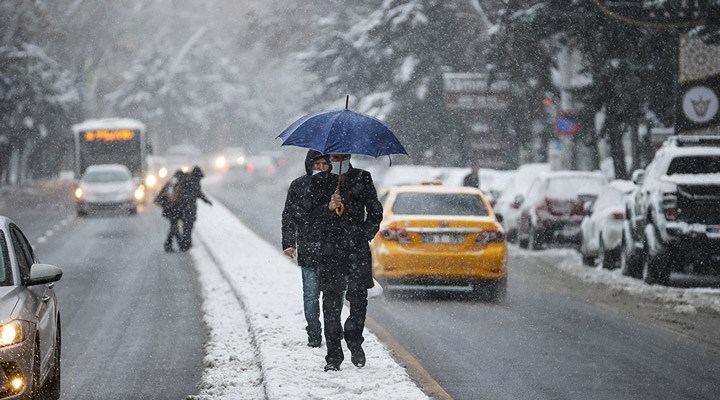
(209, 202)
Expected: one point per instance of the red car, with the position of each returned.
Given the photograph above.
(554, 207)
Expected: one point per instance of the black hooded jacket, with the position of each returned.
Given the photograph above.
(345, 248)
(297, 230)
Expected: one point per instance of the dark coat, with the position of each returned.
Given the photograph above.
(190, 191)
(345, 239)
(298, 231)
(167, 198)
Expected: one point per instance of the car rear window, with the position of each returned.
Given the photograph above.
(568, 188)
(5, 272)
(694, 165)
(106, 176)
(439, 204)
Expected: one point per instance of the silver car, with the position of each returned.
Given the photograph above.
(108, 186)
(29, 320)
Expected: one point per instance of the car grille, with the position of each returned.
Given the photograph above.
(699, 204)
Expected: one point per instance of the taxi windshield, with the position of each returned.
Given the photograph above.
(439, 204)
(5, 272)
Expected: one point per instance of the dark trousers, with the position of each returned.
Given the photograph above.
(173, 233)
(186, 240)
(352, 331)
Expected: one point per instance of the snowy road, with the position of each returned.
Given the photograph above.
(131, 318)
(555, 337)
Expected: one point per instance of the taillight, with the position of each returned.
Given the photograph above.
(617, 215)
(669, 205)
(397, 234)
(487, 237)
(250, 168)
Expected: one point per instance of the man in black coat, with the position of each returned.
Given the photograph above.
(301, 238)
(350, 218)
(167, 199)
(190, 191)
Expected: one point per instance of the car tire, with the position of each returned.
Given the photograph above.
(523, 243)
(656, 268)
(133, 210)
(587, 259)
(52, 387)
(534, 240)
(608, 258)
(631, 259)
(81, 213)
(35, 392)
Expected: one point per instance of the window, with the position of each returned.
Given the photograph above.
(439, 204)
(694, 165)
(6, 278)
(23, 253)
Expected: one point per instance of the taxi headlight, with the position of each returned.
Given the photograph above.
(12, 333)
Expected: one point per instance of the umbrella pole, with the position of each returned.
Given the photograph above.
(340, 210)
(347, 100)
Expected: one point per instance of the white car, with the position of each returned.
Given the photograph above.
(602, 228)
(509, 202)
(107, 186)
(29, 320)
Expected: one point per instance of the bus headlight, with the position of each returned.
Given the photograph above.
(150, 181)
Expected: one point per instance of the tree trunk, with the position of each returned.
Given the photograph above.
(612, 130)
(635, 146)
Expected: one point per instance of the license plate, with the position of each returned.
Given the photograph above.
(443, 238)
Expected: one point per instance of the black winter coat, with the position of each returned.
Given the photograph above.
(298, 231)
(190, 191)
(345, 250)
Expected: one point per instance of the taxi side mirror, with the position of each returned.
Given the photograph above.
(499, 218)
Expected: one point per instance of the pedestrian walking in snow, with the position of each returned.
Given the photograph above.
(190, 191)
(350, 215)
(167, 199)
(473, 178)
(301, 238)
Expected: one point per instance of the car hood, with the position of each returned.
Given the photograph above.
(9, 297)
(107, 186)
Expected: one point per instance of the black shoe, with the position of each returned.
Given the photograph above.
(357, 356)
(332, 367)
(314, 342)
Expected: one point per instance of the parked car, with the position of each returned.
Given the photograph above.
(29, 320)
(260, 166)
(107, 186)
(673, 216)
(492, 182)
(602, 227)
(440, 236)
(400, 175)
(514, 194)
(553, 210)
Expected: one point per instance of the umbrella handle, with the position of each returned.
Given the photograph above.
(340, 210)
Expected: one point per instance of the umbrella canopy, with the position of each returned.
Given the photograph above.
(342, 132)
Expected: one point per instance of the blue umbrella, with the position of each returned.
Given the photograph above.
(342, 132)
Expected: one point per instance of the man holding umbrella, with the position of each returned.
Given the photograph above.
(346, 204)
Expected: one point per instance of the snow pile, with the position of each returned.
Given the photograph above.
(267, 287)
(681, 300)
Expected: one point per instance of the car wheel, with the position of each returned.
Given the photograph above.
(35, 392)
(656, 269)
(81, 213)
(631, 260)
(587, 259)
(133, 210)
(534, 241)
(52, 387)
(608, 258)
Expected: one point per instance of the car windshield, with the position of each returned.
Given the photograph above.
(5, 272)
(567, 188)
(106, 176)
(695, 165)
(439, 204)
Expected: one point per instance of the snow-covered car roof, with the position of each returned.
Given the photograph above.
(108, 123)
(622, 185)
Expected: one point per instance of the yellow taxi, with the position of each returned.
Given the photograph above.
(438, 235)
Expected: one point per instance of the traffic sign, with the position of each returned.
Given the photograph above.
(565, 123)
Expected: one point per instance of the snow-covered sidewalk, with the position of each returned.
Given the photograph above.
(252, 301)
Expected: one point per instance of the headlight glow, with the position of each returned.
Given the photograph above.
(150, 180)
(11, 333)
(162, 173)
(78, 193)
(140, 193)
(241, 160)
(17, 383)
(220, 162)
(185, 168)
